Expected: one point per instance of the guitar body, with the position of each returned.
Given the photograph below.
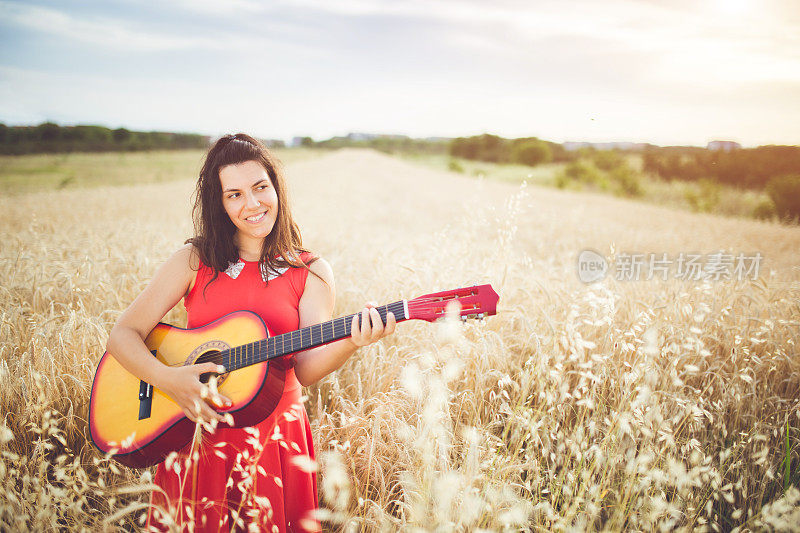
(141, 425)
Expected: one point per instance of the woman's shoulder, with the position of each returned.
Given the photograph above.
(321, 268)
(187, 256)
(184, 264)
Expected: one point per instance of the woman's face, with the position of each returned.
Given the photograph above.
(250, 200)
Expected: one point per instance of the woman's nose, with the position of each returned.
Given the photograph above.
(252, 201)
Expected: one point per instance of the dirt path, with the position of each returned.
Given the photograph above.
(364, 197)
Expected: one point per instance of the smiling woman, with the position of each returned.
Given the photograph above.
(246, 255)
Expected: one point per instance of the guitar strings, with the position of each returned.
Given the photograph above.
(293, 337)
(223, 356)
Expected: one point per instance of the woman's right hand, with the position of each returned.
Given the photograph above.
(183, 386)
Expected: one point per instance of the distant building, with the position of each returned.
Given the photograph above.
(723, 146)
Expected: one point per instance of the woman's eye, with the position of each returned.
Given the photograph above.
(261, 187)
(234, 195)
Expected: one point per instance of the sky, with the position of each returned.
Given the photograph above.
(669, 72)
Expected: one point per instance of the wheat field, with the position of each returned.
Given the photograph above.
(619, 405)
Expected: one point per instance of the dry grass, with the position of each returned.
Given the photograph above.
(638, 405)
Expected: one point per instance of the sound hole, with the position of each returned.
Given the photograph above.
(210, 357)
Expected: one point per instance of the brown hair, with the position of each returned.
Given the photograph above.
(214, 231)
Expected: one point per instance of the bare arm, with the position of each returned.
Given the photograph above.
(316, 305)
(126, 340)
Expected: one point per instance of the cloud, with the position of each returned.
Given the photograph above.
(704, 42)
(102, 31)
(119, 34)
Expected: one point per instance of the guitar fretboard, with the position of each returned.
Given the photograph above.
(301, 339)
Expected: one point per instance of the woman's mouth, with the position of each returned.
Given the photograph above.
(255, 219)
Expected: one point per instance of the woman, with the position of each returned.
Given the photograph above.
(246, 254)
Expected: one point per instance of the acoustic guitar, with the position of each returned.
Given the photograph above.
(139, 425)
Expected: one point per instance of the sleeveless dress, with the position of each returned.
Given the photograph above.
(283, 493)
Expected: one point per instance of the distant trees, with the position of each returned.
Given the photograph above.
(606, 170)
(746, 168)
(530, 152)
(484, 147)
(785, 194)
(50, 137)
(492, 148)
(385, 143)
(121, 135)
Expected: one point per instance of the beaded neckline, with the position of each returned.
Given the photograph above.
(267, 274)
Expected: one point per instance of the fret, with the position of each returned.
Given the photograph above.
(258, 351)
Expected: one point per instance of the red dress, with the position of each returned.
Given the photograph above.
(283, 493)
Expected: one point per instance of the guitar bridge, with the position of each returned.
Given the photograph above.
(145, 397)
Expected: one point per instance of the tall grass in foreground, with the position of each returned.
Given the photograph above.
(640, 406)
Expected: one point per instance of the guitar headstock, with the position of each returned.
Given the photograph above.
(476, 302)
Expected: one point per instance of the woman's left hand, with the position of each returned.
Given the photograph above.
(372, 327)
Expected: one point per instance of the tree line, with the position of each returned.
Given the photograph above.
(50, 137)
(492, 148)
(751, 168)
(384, 143)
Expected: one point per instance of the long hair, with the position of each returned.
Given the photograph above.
(213, 230)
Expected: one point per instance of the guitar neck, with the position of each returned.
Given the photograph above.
(301, 339)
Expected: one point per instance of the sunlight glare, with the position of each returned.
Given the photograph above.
(733, 7)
